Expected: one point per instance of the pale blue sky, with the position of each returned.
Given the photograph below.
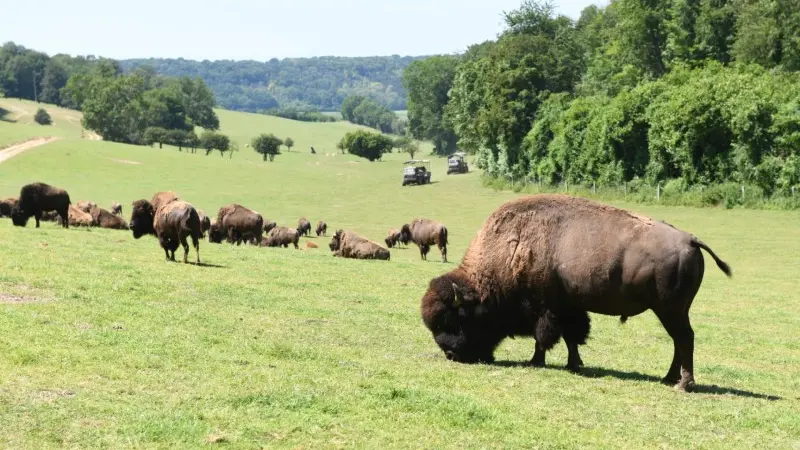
(259, 30)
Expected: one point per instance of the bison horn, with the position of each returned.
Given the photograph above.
(457, 301)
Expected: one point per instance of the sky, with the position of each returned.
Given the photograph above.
(257, 30)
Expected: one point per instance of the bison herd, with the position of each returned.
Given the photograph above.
(536, 268)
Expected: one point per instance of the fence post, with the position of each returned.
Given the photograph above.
(594, 188)
(742, 192)
(658, 192)
(792, 191)
(625, 187)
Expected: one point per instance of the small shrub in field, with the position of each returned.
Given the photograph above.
(42, 117)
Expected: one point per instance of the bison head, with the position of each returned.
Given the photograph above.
(215, 233)
(269, 225)
(462, 326)
(389, 241)
(142, 215)
(19, 217)
(336, 241)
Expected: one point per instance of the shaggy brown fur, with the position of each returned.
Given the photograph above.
(238, 224)
(116, 209)
(85, 205)
(163, 198)
(310, 244)
(269, 225)
(304, 227)
(395, 237)
(78, 218)
(171, 223)
(7, 205)
(281, 237)
(205, 222)
(38, 198)
(322, 229)
(424, 233)
(104, 219)
(552, 258)
(347, 244)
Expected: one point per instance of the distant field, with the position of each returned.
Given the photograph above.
(17, 125)
(106, 345)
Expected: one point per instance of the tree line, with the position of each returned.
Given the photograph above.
(690, 92)
(322, 82)
(365, 111)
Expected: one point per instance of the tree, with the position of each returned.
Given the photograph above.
(54, 79)
(407, 145)
(366, 144)
(268, 145)
(211, 140)
(198, 102)
(154, 135)
(165, 109)
(428, 84)
(114, 107)
(178, 138)
(289, 143)
(42, 117)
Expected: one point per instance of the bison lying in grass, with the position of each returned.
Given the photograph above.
(424, 233)
(78, 218)
(171, 220)
(105, 219)
(85, 205)
(235, 223)
(38, 198)
(348, 244)
(116, 209)
(281, 237)
(7, 205)
(547, 260)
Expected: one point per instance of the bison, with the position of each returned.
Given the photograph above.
(269, 225)
(37, 198)
(424, 233)
(205, 223)
(395, 237)
(78, 218)
(304, 227)
(116, 209)
(541, 262)
(348, 244)
(105, 219)
(238, 224)
(281, 237)
(85, 205)
(322, 229)
(7, 205)
(172, 222)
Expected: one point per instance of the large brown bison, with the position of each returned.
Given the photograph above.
(205, 222)
(85, 205)
(543, 261)
(322, 229)
(281, 237)
(116, 209)
(105, 219)
(172, 222)
(78, 218)
(37, 198)
(269, 225)
(348, 244)
(304, 227)
(7, 205)
(236, 224)
(424, 233)
(395, 237)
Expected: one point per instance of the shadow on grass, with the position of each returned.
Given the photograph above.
(4, 116)
(598, 372)
(207, 265)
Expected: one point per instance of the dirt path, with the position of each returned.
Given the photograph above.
(14, 150)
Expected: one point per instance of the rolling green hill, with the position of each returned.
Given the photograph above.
(104, 344)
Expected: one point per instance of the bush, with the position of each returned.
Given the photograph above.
(42, 117)
(154, 135)
(365, 144)
(268, 145)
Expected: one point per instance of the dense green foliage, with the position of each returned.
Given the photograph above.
(428, 83)
(323, 82)
(289, 143)
(299, 111)
(42, 117)
(211, 140)
(268, 145)
(366, 144)
(681, 92)
(366, 111)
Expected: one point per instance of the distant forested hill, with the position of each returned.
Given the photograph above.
(323, 82)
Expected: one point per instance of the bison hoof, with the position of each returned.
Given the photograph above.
(536, 363)
(574, 368)
(670, 380)
(685, 386)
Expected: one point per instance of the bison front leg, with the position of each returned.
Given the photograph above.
(538, 359)
(423, 251)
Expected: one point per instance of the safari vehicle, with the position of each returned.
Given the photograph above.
(416, 171)
(457, 164)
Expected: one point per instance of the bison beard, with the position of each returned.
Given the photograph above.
(540, 263)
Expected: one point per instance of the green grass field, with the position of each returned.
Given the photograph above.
(104, 344)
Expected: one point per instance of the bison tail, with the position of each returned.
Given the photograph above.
(723, 266)
(443, 236)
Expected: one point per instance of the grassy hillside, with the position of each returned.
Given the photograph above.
(106, 345)
(17, 125)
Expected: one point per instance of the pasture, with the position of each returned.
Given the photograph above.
(104, 344)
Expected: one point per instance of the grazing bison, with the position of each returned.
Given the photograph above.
(269, 225)
(7, 205)
(116, 209)
(347, 244)
(543, 261)
(205, 223)
(238, 224)
(105, 219)
(78, 218)
(281, 237)
(172, 222)
(37, 198)
(395, 237)
(424, 233)
(86, 205)
(322, 229)
(304, 227)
